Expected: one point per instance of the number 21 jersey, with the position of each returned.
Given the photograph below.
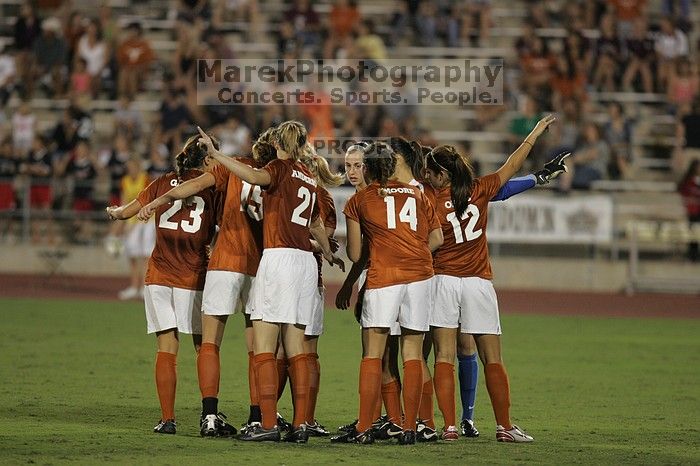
(465, 252)
(184, 228)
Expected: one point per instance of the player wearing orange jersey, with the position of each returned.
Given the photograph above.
(464, 295)
(176, 270)
(401, 230)
(232, 268)
(285, 290)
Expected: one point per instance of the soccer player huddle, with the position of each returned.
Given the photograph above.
(251, 234)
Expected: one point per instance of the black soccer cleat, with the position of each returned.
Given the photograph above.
(246, 427)
(387, 431)
(165, 427)
(352, 436)
(468, 429)
(258, 434)
(282, 424)
(298, 435)
(425, 433)
(215, 425)
(349, 427)
(317, 430)
(408, 437)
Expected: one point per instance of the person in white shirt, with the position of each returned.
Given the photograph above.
(670, 44)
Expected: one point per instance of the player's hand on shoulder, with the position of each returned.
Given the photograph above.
(552, 169)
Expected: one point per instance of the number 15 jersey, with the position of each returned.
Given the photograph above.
(397, 227)
(184, 228)
(465, 252)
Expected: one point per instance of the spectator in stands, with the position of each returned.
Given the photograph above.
(128, 120)
(94, 50)
(23, 128)
(115, 163)
(538, 15)
(480, 11)
(589, 162)
(216, 41)
(82, 169)
(80, 79)
(670, 44)
(50, 57)
(186, 53)
(38, 167)
(287, 39)
(306, 22)
(566, 133)
(27, 29)
(8, 74)
(134, 56)
(578, 51)
(73, 31)
(234, 137)
(74, 126)
(640, 49)
(159, 162)
(342, 22)
(682, 86)
(608, 56)
(679, 10)
(523, 45)
(537, 67)
(399, 23)
(567, 82)
(426, 24)
(192, 10)
(689, 188)
(688, 139)
(627, 12)
(174, 116)
(525, 121)
(9, 169)
(617, 132)
(370, 44)
(108, 26)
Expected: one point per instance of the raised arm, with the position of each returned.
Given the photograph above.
(255, 176)
(182, 191)
(517, 158)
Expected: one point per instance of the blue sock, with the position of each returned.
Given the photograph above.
(468, 376)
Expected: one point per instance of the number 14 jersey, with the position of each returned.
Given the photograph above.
(397, 227)
(465, 252)
(183, 230)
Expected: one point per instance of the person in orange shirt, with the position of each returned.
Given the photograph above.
(464, 295)
(285, 289)
(134, 55)
(176, 270)
(232, 268)
(401, 230)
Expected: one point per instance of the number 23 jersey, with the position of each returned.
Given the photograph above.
(184, 228)
(465, 252)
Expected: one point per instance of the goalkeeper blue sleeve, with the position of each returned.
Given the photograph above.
(515, 186)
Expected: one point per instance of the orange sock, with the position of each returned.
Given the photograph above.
(499, 392)
(427, 412)
(445, 391)
(281, 376)
(391, 394)
(166, 381)
(314, 383)
(370, 388)
(299, 378)
(266, 369)
(208, 370)
(377, 412)
(412, 387)
(252, 382)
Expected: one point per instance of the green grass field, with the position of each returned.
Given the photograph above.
(76, 386)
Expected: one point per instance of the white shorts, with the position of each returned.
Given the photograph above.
(168, 307)
(469, 303)
(286, 287)
(395, 329)
(140, 239)
(408, 304)
(315, 328)
(225, 292)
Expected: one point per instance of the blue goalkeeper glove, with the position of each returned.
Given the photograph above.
(552, 169)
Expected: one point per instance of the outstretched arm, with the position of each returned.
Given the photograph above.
(260, 177)
(515, 186)
(125, 211)
(183, 191)
(517, 158)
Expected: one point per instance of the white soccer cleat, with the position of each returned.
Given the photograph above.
(514, 434)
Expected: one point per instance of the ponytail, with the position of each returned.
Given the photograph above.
(412, 154)
(380, 161)
(192, 155)
(459, 169)
(291, 137)
(318, 166)
(264, 151)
